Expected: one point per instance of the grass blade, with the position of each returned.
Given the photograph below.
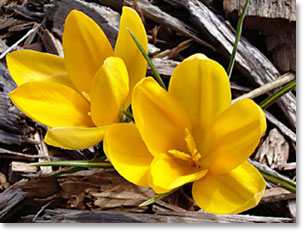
(153, 68)
(156, 198)
(68, 171)
(75, 163)
(286, 184)
(128, 114)
(238, 34)
(271, 99)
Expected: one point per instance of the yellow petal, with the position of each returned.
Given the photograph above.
(233, 136)
(52, 104)
(202, 86)
(27, 66)
(167, 174)
(160, 119)
(126, 48)
(231, 193)
(75, 138)
(85, 48)
(127, 152)
(109, 91)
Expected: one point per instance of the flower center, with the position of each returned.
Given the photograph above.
(192, 157)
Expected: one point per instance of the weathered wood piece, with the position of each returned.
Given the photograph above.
(249, 60)
(165, 66)
(155, 14)
(18, 169)
(101, 189)
(51, 43)
(285, 9)
(276, 20)
(13, 129)
(277, 194)
(3, 46)
(116, 4)
(274, 151)
(283, 128)
(11, 201)
(85, 216)
(292, 206)
(3, 182)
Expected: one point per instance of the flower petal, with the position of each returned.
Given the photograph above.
(126, 48)
(233, 136)
(109, 91)
(85, 48)
(167, 174)
(52, 104)
(127, 152)
(160, 119)
(27, 66)
(231, 193)
(202, 86)
(75, 138)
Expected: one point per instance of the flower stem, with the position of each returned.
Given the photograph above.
(75, 163)
(238, 34)
(128, 114)
(153, 68)
(271, 99)
(156, 198)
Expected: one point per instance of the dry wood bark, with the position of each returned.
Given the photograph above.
(277, 194)
(78, 216)
(276, 20)
(18, 169)
(249, 60)
(11, 201)
(285, 9)
(13, 129)
(155, 14)
(274, 151)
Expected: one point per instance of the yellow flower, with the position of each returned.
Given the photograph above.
(192, 133)
(81, 94)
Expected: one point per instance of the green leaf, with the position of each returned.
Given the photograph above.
(68, 171)
(75, 163)
(128, 114)
(238, 34)
(285, 183)
(156, 198)
(271, 99)
(153, 68)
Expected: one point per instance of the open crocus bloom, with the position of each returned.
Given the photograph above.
(192, 133)
(80, 95)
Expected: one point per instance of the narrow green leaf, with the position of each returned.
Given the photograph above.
(286, 184)
(75, 163)
(68, 171)
(153, 68)
(238, 34)
(128, 114)
(156, 198)
(271, 99)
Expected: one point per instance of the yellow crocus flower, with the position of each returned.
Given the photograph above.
(80, 95)
(192, 133)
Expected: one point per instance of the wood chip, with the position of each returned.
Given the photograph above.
(266, 9)
(3, 183)
(274, 151)
(18, 169)
(277, 194)
(85, 216)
